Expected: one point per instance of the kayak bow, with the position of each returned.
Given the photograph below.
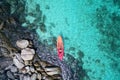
(60, 47)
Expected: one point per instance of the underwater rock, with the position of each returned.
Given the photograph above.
(80, 54)
(47, 7)
(43, 27)
(77, 66)
(117, 3)
(72, 48)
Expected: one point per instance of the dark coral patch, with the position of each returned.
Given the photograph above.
(77, 68)
(72, 48)
(43, 27)
(80, 54)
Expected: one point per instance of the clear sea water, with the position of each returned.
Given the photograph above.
(90, 26)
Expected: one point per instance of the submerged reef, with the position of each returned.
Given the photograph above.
(108, 24)
(77, 67)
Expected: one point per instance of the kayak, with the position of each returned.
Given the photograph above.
(60, 47)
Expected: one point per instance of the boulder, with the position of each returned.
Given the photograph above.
(22, 43)
(27, 54)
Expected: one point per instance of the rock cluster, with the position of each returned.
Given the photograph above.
(28, 66)
(13, 13)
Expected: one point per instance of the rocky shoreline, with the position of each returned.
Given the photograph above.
(13, 64)
(28, 66)
(12, 15)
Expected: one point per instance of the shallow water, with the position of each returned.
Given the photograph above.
(90, 31)
(90, 26)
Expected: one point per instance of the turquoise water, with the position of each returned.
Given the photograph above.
(90, 26)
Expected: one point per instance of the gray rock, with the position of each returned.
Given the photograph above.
(53, 73)
(27, 68)
(21, 77)
(39, 76)
(51, 69)
(2, 75)
(32, 69)
(5, 61)
(18, 56)
(14, 69)
(18, 62)
(49, 78)
(27, 54)
(26, 77)
(34, 77)
(23, 70)
(22, 43)
(10, 75)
